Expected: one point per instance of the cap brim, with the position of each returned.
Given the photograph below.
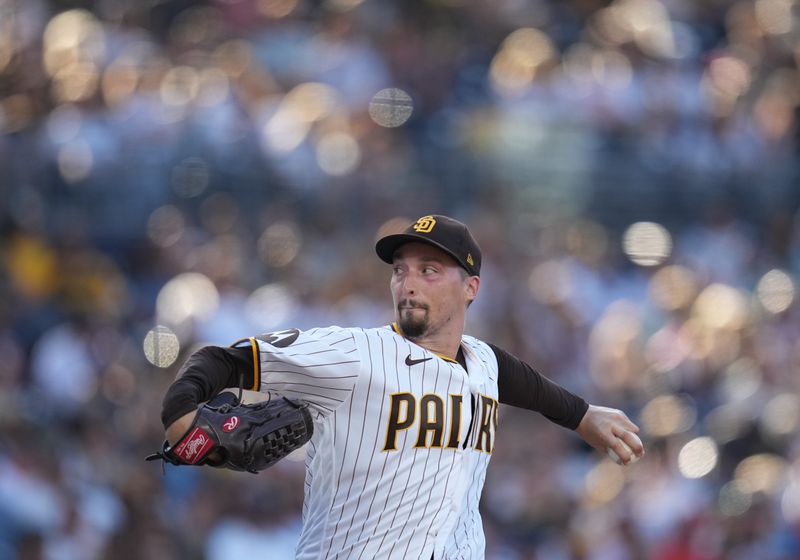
(386, 246)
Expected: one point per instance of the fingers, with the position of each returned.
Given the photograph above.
(634, 443)
(610, 430)
(625, 443)
(626, 448)
(622, 454)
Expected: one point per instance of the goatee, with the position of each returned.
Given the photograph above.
(408, 322)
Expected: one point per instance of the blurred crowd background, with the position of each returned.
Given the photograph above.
(177, 173)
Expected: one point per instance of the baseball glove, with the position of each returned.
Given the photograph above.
(240, 437)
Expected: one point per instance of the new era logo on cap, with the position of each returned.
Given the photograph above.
(449, 235)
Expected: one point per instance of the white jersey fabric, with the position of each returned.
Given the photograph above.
(398, 460)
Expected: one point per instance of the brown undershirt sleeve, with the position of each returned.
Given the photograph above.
(522, 386)
(207, 372)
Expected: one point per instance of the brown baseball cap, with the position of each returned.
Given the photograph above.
(449, 235)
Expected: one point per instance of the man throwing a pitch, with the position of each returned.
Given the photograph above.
(404, 415)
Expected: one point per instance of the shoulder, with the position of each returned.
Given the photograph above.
(474, 343)
(480, 348)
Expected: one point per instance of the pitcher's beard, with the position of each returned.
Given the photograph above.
(411, 324)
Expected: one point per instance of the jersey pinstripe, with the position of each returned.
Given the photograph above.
(398, 460)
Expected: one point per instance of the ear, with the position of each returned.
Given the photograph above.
(471, 286)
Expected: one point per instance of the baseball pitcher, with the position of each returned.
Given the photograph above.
(401, 420)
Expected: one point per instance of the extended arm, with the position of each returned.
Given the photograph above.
(603, 428)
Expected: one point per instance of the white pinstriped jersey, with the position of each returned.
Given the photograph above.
(397, 463)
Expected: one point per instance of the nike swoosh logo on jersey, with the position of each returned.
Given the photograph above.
(410, 362)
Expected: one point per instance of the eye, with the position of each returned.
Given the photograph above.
(429, 270)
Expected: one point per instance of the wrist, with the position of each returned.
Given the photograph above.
(177, 429)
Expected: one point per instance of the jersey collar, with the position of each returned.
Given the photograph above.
(396, 329)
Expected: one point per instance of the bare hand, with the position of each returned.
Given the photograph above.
(606, 428)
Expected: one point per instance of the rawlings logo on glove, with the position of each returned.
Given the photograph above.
(240, 437)
(231, 424)
(194, 446)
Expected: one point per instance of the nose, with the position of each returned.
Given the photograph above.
(408, 285)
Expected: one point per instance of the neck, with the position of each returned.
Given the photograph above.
(444, 342)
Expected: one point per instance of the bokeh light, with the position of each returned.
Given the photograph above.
(75, 82)
(343, 5)
(213, 87)
(190, 177)
(614, 346)
(276, 9)
(338, 153)
(391, 107)
(698, 457)
(64, 124)
(775, 291)
(75, 161)
(165, 225)
(285, 130)
(519, 58)
(189, 295)
(550, 282)
(727, 422)
(720, 306)
(72, 37)
(790, 502)
(6, 46)
(604, 482)
(667, 415)
(647, 22)
(666, 349)
(775, 16)
(726, 79)
(733, 499)
(269, 306)
(781, 416)
(180, 86)
(161, 346)
(119, 81)
(279, 244)
(740, 380)
(233, 57)
(763, 472)
(647, 243)
(587, 66)
(312, 101)
(673, 287)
